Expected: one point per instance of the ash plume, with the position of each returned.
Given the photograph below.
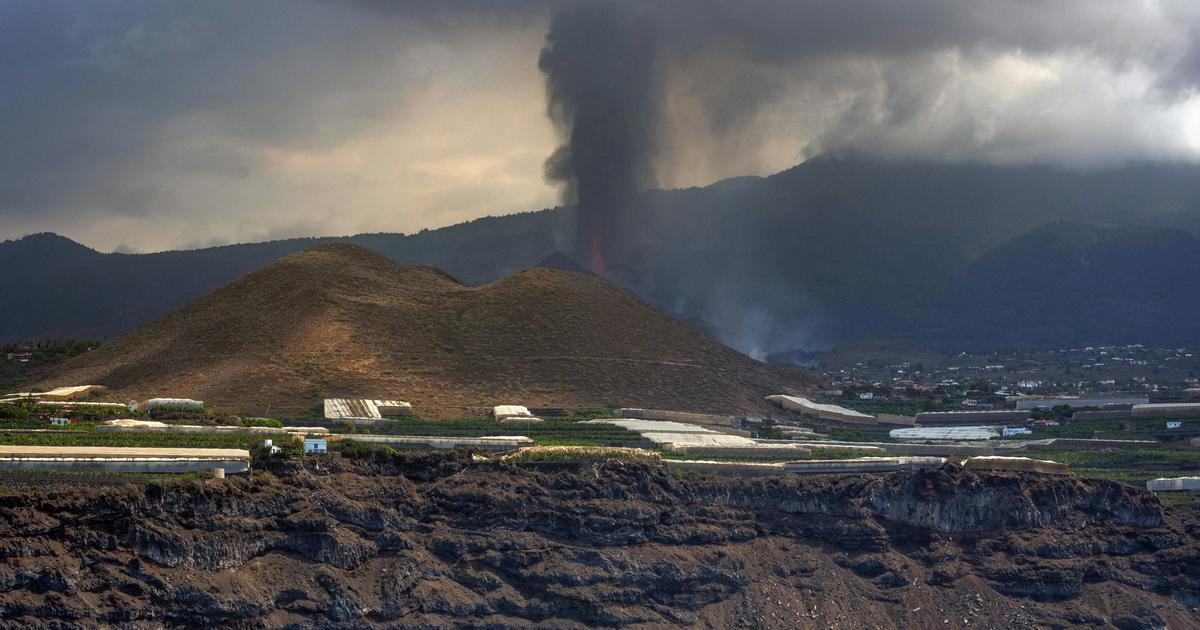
(603, 84)
(879, 78)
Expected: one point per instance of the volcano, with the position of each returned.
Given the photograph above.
(339, 320)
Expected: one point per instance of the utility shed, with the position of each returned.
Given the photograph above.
(82, 405)
(422, 442)
(653, 426)
(693, 439)
(1016, 464)
(151, 426)
(945, 433)
(1102, 415)
(364, 409)
(862, 465)
(976, 418)
(680, 416)
(504, 412)
(175, 403)
(1075, 403)
(891, 418)
(139, 424)
(1167, 484)
(736, 469)
(122, 459)
(62, 393)
(1167, 410)
(821, 411)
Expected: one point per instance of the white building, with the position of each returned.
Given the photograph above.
(174, 404)
(315, 446)
(364, 409)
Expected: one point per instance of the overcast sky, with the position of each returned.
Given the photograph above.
(151, 125)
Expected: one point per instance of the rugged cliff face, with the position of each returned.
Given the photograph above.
(443, 541)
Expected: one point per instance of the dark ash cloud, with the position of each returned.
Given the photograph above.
(674, 92)
(1074, 82)
(162, 124)
(603, 85)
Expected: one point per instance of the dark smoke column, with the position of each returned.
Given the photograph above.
(602, 87)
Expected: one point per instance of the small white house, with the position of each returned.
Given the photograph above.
(505, 412)
(1174, 424)
(867, 396)
(60, 422)
(316, 446)
(1011, 431)
(269, 444)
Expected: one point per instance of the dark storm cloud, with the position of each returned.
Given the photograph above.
(164, 117)
(880, 68)
(97, 95)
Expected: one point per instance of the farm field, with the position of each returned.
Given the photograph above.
(1134, 466)
(160, 440)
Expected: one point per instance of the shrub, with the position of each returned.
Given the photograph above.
(14, 412)
(362, 450)
(262, 422)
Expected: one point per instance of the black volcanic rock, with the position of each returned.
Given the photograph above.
(442, 540)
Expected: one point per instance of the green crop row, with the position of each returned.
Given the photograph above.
(818, 452)
(1134, 458)
(145, 440)
(1116, 428)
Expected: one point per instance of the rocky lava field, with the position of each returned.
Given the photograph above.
(445, 540)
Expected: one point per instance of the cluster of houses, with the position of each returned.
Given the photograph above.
(982, 421)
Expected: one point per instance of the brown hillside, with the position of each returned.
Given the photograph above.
(339, 320)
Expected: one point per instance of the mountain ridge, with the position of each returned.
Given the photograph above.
(337, 320)
(831, 250)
